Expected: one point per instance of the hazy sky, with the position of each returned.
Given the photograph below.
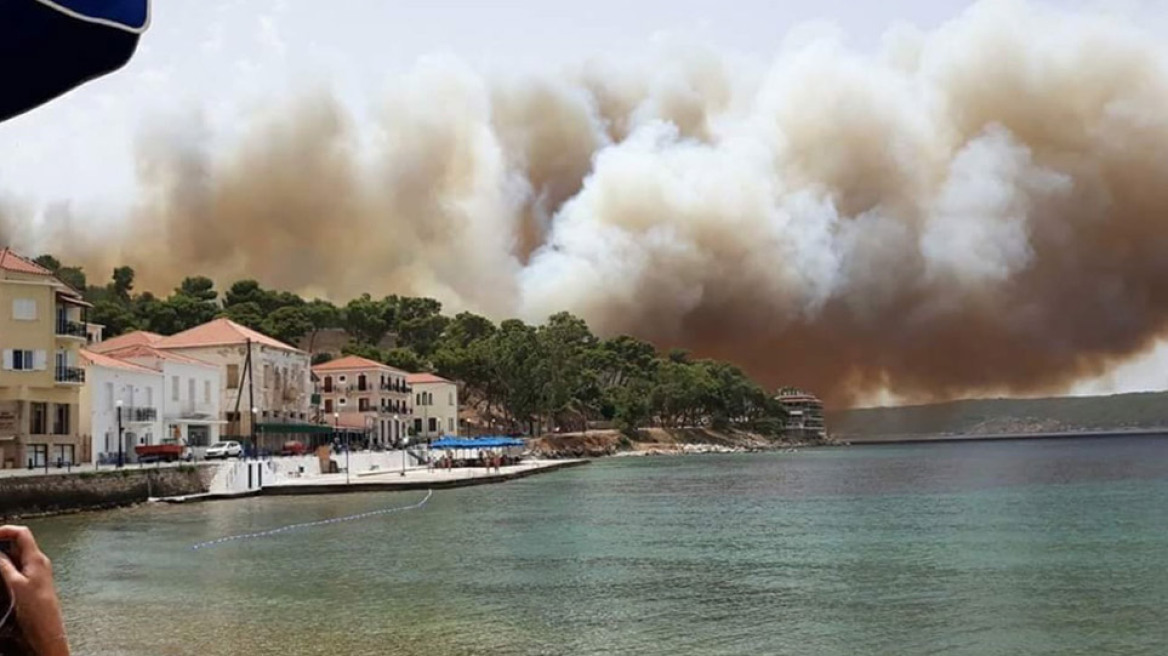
(228, 59)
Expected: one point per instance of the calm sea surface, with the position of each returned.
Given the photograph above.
(1054, 547)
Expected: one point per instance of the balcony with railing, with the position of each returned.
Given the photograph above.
(139, 415)
(73, 329)
(400, 388)
(70, 375)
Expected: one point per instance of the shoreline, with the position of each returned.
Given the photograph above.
(878, 440)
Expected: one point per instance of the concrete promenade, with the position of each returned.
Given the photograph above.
(416, 478)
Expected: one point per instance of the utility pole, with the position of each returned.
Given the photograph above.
(250, 373)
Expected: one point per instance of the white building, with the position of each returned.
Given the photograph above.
(278, 392)
(435, 406)
(161, 397)
(191, 401)
(114, 386)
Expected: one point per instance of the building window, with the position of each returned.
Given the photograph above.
(174, 388)
(39, 419)
(341, 379)
(417, 425)
(450, 424)
(433, 425)
(328, 384)
(63, 454)
(109, 396)
(341, 401)
(232, 376)
(328, 405)
(199, 436)
(149, 397)
(19, 360)
(61, 419)
(450, 400)
(363, 405)
(191, 390)
(40, 454)
(362, 383)
(24, 309)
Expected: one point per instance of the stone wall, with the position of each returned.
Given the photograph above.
(24, 496)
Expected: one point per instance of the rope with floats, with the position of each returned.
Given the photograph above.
(323, 522)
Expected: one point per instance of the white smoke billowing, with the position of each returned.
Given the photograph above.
(979, 208)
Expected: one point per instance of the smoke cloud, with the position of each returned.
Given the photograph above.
(977, 209)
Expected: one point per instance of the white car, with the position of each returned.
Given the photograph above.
(224, 450)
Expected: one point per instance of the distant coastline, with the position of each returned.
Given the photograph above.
(1001, 419)
(1002, 437)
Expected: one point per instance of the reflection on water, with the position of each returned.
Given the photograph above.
(1008, 548)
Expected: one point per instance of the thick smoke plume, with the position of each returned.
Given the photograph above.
(978, 209)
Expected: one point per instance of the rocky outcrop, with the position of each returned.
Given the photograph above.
(657, 441)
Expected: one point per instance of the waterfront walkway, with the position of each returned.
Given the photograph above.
(415, 478)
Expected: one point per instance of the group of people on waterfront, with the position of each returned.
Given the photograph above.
(489, 460)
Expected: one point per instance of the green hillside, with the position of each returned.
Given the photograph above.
(1006, 416)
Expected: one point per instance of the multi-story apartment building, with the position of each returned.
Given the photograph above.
(42, 329)
(435, 406)
(360, 393)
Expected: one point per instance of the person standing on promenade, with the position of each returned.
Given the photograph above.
(28, 578)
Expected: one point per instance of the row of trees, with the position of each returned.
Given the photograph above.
(518, 376)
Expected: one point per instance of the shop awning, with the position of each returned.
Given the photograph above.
(476, 443)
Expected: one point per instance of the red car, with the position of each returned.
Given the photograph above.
(293, 449)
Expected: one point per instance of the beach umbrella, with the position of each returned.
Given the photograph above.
(49, 47)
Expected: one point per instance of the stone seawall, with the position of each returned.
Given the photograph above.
(30, 496)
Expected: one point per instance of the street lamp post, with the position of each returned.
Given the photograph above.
(405, 452)
(255, 446)
(337, 428)
(121, 439)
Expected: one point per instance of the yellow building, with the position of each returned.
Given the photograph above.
(42, 330)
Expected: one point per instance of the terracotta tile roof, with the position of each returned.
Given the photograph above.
(353, 363)
(147, 351)
(101, 360)
(421, 379)
(11, 261)
(220, 332)
(136, 338)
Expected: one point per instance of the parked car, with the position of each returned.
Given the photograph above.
(293, 449)
(224, 450)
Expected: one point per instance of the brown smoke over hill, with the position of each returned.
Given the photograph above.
(983, 208)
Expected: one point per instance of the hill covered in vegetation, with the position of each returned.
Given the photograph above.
(515, 377)
(1006, 417)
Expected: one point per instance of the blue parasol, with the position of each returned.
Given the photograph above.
(49, 47)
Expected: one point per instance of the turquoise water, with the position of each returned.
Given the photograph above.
(1056, 547)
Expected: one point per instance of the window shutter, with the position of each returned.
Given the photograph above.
(7, 359)
(40, 360)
